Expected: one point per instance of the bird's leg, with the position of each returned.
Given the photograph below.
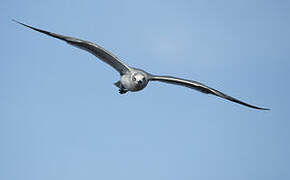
(122, 91)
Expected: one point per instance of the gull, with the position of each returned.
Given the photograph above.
(134, 79)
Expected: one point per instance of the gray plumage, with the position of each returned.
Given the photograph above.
(133, 79)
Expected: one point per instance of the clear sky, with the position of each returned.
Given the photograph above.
(62, 118)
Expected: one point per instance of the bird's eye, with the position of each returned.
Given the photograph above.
(134, 79)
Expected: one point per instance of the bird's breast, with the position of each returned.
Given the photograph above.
(126, 82)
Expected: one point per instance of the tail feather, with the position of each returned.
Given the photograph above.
(118, 84)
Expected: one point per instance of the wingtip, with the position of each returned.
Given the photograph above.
(16, 21)
(266, 109)
(260, 108)
(13, 20)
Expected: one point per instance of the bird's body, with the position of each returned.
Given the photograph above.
(133, 79)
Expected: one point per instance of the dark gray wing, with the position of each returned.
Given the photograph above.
(96, 50)
(200, 87)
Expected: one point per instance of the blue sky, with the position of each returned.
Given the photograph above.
(62, 118)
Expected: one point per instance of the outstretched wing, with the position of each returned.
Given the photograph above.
(96, 50)
(200, 87)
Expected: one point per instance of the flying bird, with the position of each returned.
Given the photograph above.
(134, 79)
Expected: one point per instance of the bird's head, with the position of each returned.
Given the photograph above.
(139, 79)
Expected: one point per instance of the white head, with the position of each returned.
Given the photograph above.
(139, 79)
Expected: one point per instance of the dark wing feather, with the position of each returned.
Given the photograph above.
(200, 87)
(96, 50)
